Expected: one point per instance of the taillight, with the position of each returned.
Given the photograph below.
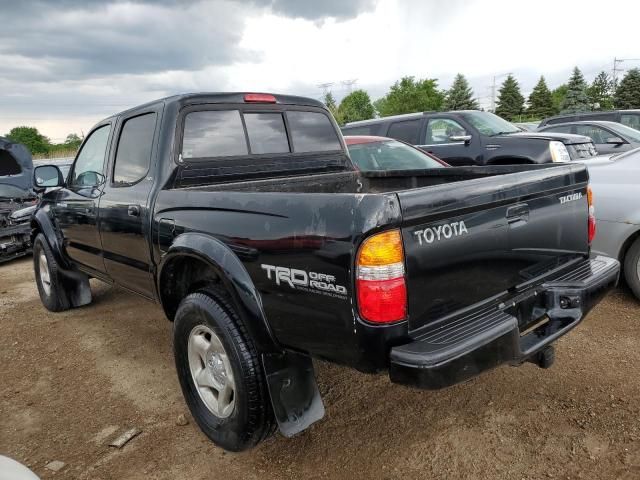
(592, 217)
(259, 98)
(380, 283)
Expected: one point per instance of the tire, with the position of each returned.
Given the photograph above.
(50, 284)
(632, 268)
(244, 418)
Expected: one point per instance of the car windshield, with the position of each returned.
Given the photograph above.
(390, 155)
(489, 124)
(628, 132)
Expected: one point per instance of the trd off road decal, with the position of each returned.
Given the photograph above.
(441, 232)
(312, 282)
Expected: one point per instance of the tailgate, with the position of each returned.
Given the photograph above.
(472, 240)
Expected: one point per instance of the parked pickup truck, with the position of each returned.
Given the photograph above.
(244, 217)
(472, 137)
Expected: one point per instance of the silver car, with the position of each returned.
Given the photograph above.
(615, 182)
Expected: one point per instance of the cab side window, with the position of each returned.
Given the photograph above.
(440, 130)
(88, 168)
(133, 156)
(631, 120)
(597, 134)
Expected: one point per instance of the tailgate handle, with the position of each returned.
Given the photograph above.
(518, 213)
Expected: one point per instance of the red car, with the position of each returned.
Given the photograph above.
(371, 153)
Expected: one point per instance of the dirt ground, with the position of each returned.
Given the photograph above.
(70, 382)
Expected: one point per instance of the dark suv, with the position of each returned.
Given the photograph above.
(472, 137)
(630, 118)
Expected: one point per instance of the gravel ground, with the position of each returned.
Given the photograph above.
(71, 382)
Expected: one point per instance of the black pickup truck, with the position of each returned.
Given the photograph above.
(244, 217)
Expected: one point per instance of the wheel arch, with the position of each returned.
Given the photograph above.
(195, 261)
(626, 245)
(41, 223)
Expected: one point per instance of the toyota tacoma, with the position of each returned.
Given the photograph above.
(244, 217)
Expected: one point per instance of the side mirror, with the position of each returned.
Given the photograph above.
(615, 141)
(461, 138)
(47, 176)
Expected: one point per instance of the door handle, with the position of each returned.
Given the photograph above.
(133, 210)
(518, 213)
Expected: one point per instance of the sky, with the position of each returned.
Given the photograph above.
(66, 64)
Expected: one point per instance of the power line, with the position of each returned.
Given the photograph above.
(493, 89)
(348, 84)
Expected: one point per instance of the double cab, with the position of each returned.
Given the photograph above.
(243, 215)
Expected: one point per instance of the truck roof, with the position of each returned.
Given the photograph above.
(226, 97)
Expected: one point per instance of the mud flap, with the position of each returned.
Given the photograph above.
(77, 286)
(293, 390)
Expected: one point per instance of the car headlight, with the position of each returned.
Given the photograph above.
(559, 152)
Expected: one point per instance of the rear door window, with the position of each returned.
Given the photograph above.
(266, 132)
(312, 132)
(213, 133)
(134, 149)
(406, 131)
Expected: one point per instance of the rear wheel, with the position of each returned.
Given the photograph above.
(632, 267)
(220, 373)
(50, 286)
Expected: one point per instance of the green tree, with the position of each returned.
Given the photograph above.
(541, 100)
(510, 101)
(330, 102)
(409, 95)
(73, 140)
(558, 95)
(628, 92)
(576, 99)
(600, 92)
(460, 95)
(31, 138)
(356, 106)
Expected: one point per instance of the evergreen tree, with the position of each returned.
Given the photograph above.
(541, 101)
(510, 100)
(460, 95)
(576, 99)
(600, 92)
(628, 92)
(409, 95)
(557, 96)
(355, 106)
(330, 102)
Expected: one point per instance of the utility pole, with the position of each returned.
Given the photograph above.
(616, 61)
(348, 84)
(614, 75)
(325, 88)
(493, 90)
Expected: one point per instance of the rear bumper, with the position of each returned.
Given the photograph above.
(459, 348)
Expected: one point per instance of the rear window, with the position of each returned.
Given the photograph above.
(266, 133)
(221, 133)
(406, 131)
(312, 132)
(213, 133)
